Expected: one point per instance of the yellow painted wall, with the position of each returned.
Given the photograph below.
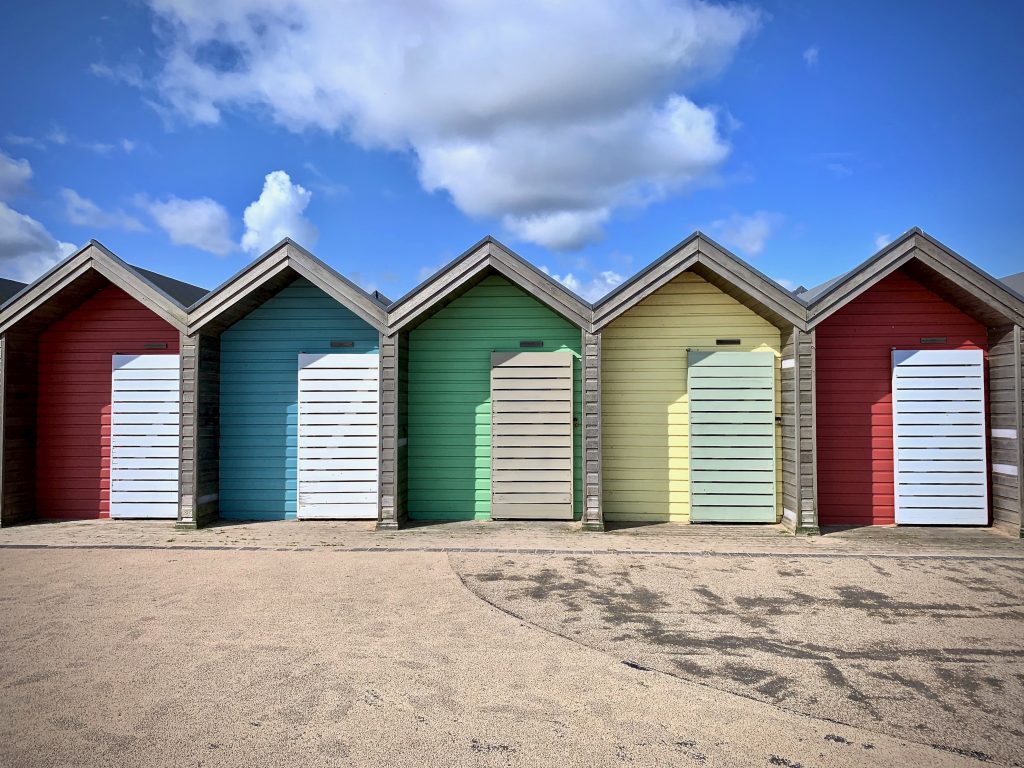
(645, 413)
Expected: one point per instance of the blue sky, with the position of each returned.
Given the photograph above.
(800, 135)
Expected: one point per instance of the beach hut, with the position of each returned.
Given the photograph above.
(699, 410)
(89, 383)
(282, 391)
(917, 359)
(488, 358)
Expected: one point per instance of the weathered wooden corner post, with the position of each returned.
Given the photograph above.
(199, 446)
(593, 514)
(799, 460)
(391, 513)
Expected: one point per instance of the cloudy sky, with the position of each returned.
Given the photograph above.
(190, 135)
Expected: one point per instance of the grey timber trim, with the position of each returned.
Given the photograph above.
(1018, 335)
(790, 425)
(93, 257)
(1005, 401)
(700, 253)
(593, 485)
(284, 257)
(806, 432)
(391, 512)
(486, 256)
(198, 468)
(799, 433)
(916, 246)
(18, 388)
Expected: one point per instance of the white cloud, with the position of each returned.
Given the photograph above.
(882, 240)
(789, 285)
(202, 223)
(747, 234)
(811, 56)
(84, 212)
(562, 231)
(57, 135)
(24, 141)
(26, 248)
(592, 289)
(276, 214)
(839, 170)
(14, 176)
(548, 116)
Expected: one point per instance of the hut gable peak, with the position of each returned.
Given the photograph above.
(488, 256)
(83, 273)
(712, 262)
(267, 274)
(934, 265)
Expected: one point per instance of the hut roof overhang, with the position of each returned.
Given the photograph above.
(82, 274)
(485, 258)
(724, 270)
(265, 276)
(933, 265)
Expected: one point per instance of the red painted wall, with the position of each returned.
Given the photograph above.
(73, 419)
(854, 391)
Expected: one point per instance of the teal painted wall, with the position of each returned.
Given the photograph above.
(259, 395)
(449, 410)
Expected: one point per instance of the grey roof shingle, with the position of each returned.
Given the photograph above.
(8, 288)
(1016, 282)
(185, 294)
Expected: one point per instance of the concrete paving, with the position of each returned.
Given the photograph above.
(522, 537)
(122, 655)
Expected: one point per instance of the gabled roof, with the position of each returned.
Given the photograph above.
(268, 274)
(83, 273)
(8, 288)
(726, 271)
(1016, 282)
(486, 257)
(932, 264)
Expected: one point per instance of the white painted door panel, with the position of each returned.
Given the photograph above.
(338, 459)
(144, 436)
(941, 467)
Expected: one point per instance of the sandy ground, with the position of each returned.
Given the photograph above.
(234, 657)
(926, 650)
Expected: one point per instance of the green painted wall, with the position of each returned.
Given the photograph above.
(449, 409)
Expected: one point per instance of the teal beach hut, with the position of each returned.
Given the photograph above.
(288, 372)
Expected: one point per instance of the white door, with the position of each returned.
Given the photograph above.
(144, 436)
(938, 403)
(338, 473)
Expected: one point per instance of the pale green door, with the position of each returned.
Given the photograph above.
(732, 437)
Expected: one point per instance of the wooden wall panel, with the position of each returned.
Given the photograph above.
(1006, 405)
(644, 403)
(449, 404)
(18, 393)
(74, 398)
(200, 430)
(259, 395)
(733, 442)
(854, 391)
(145, 436)
(940, 443)
(339, 436)
(532, 435)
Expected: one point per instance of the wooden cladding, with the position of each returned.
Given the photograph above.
(532, 435)
(144, 436)
(732, 436)
(338, 462)
(938, 405)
